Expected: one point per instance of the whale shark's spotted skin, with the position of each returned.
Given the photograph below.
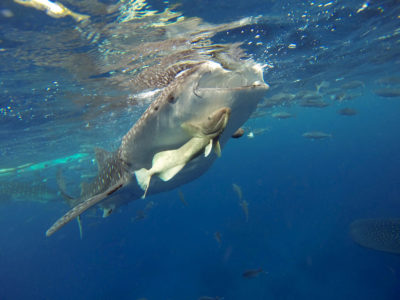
(166, 98)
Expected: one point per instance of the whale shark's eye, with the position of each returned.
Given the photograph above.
(171, 98)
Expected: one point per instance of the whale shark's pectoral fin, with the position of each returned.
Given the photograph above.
(217, 147)
(208, 148)
(213, 144)
(80, 208)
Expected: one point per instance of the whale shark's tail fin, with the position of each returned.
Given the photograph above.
(111, 177)
(82, 207)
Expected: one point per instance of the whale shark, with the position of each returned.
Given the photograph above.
(198, 91)
(36, 191)
(377, 234)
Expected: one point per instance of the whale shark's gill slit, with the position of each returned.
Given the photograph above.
(195, 88)
(114, 190)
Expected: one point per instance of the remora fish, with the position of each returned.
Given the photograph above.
(238, 190)
(218, 238)
(253, 273)
(347, 111)
(167, 164)
(194, 95)
(182, 198)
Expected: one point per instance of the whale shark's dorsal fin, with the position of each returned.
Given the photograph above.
(80, 208)
(208, 148)
(85, 188)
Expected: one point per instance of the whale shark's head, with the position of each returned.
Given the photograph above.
(195, 94)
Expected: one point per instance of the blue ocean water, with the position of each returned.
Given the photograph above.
(302, 194)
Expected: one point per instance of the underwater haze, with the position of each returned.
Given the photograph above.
(304, 205)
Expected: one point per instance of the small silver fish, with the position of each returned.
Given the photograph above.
(281, 115)
(314, 103)
(182, 198)
(347, 111)
(316, 135)
(217, 236)
(391, 80)
(237, 190)
(211, 298)
(388, 92)
(253, 273)
(355, 84)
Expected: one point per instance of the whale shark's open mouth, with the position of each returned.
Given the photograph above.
(247, 76)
